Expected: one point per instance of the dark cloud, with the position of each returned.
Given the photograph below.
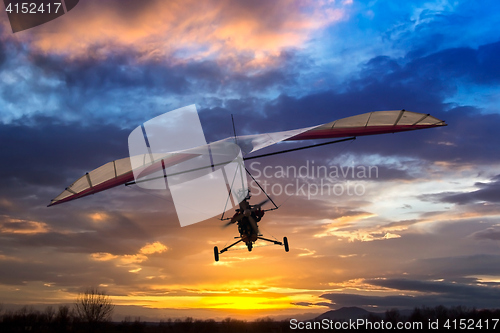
(428, 293)
(431, 287)
(62, 271)
(492, 233)
(127, 238)
(489, 68)
(124, 68)
(79, 230)
(488, 192)
(42, 151)
(3, 52)
(462, 266)
(117, 71)
(302, 303)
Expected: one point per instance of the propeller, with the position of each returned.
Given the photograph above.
(247, 212)
(234, 220)
(260, 204)
(225, 225)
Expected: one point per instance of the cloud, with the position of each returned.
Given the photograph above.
(492, 233)
(425, 293)
(488, 192)
(152, 248)
(83, 235)
(121, 91)
(42, 152)
(102, 256)
(240, 34)
(16, 226)
(456, 267)
(420, 28)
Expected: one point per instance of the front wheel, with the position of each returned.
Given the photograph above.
(285, 242)
(216, 253)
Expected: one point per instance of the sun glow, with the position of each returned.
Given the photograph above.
(225, 297)
(99, 216)
(246, 302)
(235, 302)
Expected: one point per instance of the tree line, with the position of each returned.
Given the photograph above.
(93, 309)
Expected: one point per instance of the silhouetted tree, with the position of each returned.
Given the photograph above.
(49, 314)
(63, 319)
(94, 307)
(393, 316)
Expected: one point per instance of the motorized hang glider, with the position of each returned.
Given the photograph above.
(125, 170)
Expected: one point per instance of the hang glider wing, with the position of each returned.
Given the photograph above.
(120, 172)
(144, 167)
(377, 122)
(112, 174)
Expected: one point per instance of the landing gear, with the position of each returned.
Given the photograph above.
(216, 253)
(250, 245)
(216, 249)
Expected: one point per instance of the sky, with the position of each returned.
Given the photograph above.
(421, 230)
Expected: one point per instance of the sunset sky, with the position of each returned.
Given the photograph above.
(423, 230)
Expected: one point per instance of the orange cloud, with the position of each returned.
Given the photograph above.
(334, 229)
(247, 34)
(98, 217)
(17, 226)
(148, 249)
(102, 256)
(155, 247)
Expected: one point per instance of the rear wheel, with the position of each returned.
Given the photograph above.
(285, 242)
(216, 253)
(249, 245)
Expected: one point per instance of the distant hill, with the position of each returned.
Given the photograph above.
(345, 313)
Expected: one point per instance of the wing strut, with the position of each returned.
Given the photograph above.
(267, 195)
(300, 148)
(234, 130)
(246, 158)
